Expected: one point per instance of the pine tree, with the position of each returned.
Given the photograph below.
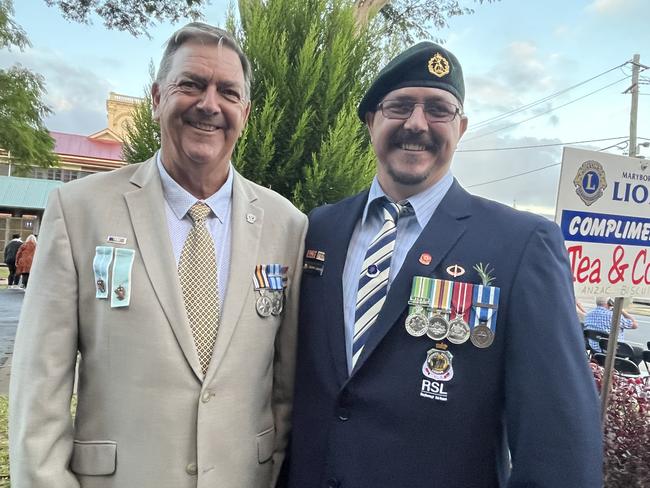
(142, 133)
(311, 65)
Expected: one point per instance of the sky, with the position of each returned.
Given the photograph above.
(567, 61)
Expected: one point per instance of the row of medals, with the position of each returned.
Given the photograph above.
(436, 325)
(270, 302)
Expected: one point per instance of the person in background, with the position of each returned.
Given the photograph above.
(600, 319)
(10, 260)
(24, 258)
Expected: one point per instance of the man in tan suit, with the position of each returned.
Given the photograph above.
(184, 381)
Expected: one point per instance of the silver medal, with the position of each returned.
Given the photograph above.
(438, 327)
(459, 331)
(416, 324)
(264, 306)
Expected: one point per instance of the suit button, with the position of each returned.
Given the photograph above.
(333, 483)
(207, 395)
(344, 414)
(191, 468)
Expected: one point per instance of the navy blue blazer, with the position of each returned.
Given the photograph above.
(521, 413)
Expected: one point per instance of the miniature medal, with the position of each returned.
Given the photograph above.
(276, 302)
(263, 305)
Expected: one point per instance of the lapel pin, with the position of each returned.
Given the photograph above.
(116, 239)
(455, 270)
(425, 258)
(314, 254)
(250, 218)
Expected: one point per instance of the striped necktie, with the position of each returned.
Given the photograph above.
(373, 280)
(197, 270)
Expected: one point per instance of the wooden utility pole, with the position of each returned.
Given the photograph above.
(634, 90)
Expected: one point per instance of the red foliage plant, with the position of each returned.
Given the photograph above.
(626, 431)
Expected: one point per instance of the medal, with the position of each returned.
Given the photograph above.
(264, 306)
(270, 280)
(461, 302)
(440, 300)
(459, 331)
(482, 336)
(277, 299)
(101, 286)
(483, 318)
(416, 324)
(438, 327)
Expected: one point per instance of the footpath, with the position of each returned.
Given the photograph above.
(10, 303)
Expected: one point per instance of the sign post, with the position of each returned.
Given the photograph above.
(603, 209)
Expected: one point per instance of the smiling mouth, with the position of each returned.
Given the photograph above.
(203, 127)
(412, 147)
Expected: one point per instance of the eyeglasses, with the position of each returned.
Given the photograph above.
(438, 111)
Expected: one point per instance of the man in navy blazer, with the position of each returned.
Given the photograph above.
(471, 373)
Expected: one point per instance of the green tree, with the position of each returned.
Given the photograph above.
(142, 134)
(311, 65)
(408, 19)
(22, 131)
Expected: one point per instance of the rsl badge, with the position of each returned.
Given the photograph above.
(590, 182)
(438, 65)
(437, 365)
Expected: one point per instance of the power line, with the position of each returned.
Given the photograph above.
(545, 112)
(540, 145)
(513, 176)
(542, 100)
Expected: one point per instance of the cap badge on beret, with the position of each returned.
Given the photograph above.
(438, 65)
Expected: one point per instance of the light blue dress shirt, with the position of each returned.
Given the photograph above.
(178, 201)
(409, 228)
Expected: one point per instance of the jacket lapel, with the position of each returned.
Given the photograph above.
(439, 236)
(247, 220)
(147, 212)
(348, 214)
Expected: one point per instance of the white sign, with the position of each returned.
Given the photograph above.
(603, 209)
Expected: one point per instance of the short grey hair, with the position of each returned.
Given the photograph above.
(601, 301)
(199, 31)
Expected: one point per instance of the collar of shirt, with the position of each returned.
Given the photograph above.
(180, 200)
(423, 203)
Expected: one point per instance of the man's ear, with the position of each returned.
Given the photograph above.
(155, 100)
(370, 121)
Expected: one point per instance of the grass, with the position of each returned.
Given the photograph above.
(4, 443)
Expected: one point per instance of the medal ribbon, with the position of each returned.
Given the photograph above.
(461, 301)
(484, 306)
(101, 263)
(274, 275)
(441, 295)
(420, 293)
(260, 279)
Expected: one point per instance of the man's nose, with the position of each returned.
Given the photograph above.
(417, 122)
(210, 101)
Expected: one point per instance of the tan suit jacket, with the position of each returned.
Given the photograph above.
(145, 416)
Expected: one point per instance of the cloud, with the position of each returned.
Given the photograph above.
(610, 6)
(76, 95)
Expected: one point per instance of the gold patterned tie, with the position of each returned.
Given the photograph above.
(197, 270)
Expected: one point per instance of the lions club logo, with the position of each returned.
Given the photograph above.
(590, 182)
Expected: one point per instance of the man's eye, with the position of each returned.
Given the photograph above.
(188, 85)
(400, 108)
(231, 95)
(438, 109)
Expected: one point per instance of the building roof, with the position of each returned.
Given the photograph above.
(84, 146)
(27, 193)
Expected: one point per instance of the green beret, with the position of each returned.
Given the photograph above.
(425, 64)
